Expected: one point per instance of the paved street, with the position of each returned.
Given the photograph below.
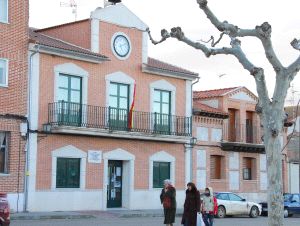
(148, 221)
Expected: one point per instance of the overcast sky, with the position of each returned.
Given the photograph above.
(282, 15)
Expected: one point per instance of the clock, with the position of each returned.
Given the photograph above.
(121, 46)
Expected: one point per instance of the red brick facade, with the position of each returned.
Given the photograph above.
(13, 98)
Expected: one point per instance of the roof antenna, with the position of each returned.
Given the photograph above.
(71, 4)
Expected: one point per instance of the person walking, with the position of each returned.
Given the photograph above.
(191, 206)
(208, 207)
(168, 200)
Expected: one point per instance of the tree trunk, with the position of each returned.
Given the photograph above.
(275, 186)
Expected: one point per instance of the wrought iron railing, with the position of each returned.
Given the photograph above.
(81, 115)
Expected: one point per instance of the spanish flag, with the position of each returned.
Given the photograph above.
(130, 121)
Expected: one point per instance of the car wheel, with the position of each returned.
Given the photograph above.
(286, 213)
(221, 212)
(254, 212)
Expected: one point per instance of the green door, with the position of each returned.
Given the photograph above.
(118, 106)
(162, 111)
(114, 188)
(69, 100)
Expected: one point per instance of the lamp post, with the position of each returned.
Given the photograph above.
(193, 141)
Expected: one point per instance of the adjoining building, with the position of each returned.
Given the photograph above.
(13, 99)
(230, 155)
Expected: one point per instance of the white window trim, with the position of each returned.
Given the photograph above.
(161, 156)
(112, 46)
(165, 86)
(119, 77)
(69, 152)
(6, 72)
(7, 13)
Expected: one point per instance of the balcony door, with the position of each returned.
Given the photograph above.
(162, 111)
(249, 127)
(232, 125)
(118, 106)
(69, 100)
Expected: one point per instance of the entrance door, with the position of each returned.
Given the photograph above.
(114, 188)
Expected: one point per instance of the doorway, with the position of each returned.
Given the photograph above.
(114, 187)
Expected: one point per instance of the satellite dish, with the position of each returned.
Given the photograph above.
(114, 1)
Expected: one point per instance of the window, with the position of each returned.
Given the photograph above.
(234, 197)
(4, 11)
(68, 173)
(249, 168)
(223, 196)
(217, 167)
(162, 110)
(69, 98)
(3, 152)
(119, 104)
(3, 72)
(295, 198)
(161, 172)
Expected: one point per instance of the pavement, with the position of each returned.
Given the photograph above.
(116, 213)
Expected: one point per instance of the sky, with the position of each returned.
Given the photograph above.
(158, 14)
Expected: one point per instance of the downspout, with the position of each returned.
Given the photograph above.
(29, 129)
(192, 144)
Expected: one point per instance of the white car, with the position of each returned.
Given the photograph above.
(231, 204)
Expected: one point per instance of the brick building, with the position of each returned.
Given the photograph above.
(113, 123)
(229, 154)
(13, 98)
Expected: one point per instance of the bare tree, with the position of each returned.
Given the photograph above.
(271, 109)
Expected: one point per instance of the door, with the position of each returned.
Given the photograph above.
(238, 205)
(119, 105)
(114, 188)
(232, 125)
(162, 111)
(249, 127)
(223, 200)
(69, 100)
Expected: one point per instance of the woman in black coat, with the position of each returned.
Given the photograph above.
(191, 205)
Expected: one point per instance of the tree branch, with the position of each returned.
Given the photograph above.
(295, 66)
(262, 32)
(212, 40)
(164, 36)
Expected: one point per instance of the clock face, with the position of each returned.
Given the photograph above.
(121, 46)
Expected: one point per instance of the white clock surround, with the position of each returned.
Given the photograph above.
(113, 49)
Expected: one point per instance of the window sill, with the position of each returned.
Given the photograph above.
(3, 86)
(67, 189)
(4, 22)
(4, 174)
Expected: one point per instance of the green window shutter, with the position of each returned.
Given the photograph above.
(161, 172)
(68, 173)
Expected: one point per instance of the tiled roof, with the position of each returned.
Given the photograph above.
(42, 39)
(200, 107)
(212, 93)
(61, 25)
(157, 64)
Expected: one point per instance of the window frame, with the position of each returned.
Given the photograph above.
(67, 162)
(6, 153)
(222, 165)
(6, 62)
(118, 94)
(7, 13)
(160, 184)
(69, 88)
(234, 195)
(249, 173)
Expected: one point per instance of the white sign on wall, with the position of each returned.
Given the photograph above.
(94, 156)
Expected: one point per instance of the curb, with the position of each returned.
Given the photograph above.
(51, 217)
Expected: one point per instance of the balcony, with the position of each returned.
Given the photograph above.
(242, 138)
(73, 118)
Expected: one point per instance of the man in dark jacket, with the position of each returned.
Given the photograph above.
(191, 206)
(168, 200)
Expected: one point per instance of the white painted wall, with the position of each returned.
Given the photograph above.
(16, 202)
(216, 135)
(254, 197)
(201, 169)
(68, 200)
(234, 173)
(202, 133)
(212, 103)
(243, 96)
(294, 178)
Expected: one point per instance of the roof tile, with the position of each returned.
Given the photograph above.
(212, 93)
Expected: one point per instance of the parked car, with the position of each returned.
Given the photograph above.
(230, 204)
(4, 210)
(291, 205)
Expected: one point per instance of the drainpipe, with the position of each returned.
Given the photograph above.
(29, 129)
(191, 141)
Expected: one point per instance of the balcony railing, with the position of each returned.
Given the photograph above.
(243, 133)
(114, 119)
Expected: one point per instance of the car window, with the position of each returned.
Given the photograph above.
(287, 197)
(223, 196)
(234, 197)
(295, 198)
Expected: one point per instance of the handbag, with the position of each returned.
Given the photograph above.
(200, 220)
(167, 203)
